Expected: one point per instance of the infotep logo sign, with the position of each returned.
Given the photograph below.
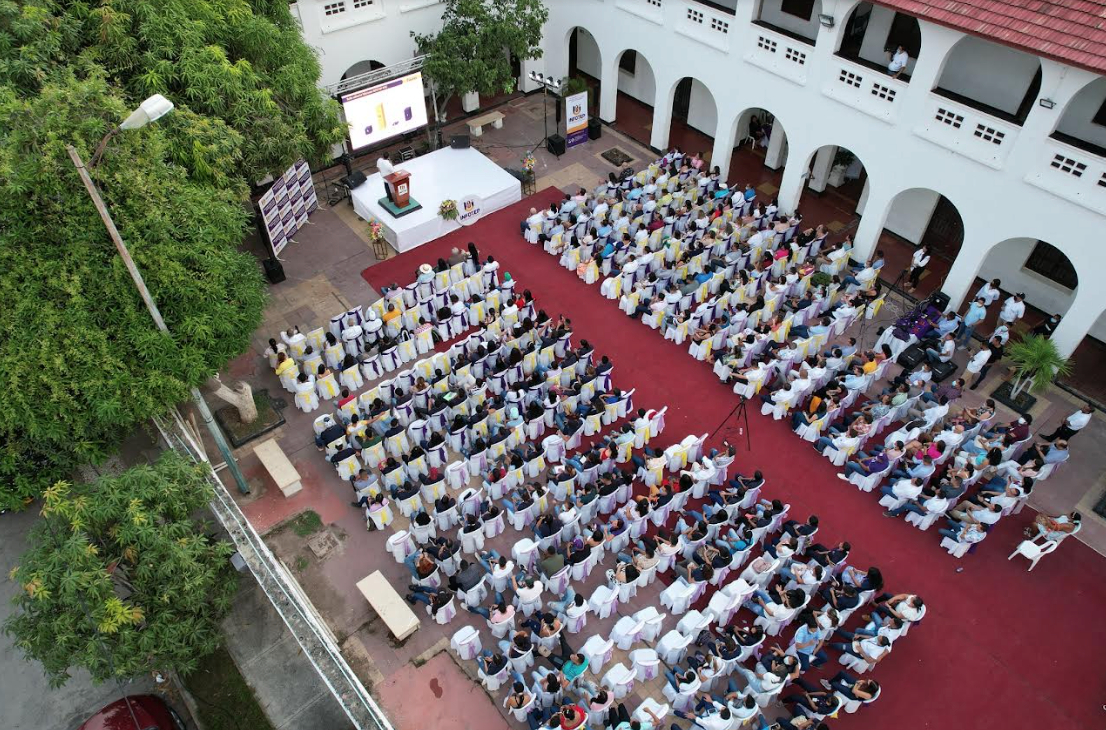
(469, 209)
(576, 116)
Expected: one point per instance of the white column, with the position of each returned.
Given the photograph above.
(470, 102)
(820, 170)
(662, 115)
(936, 44)
(965, 268)
(876, 208)
(1078, 320)
(791, 186)
(775, 156)
(608, 92)
(723, 141)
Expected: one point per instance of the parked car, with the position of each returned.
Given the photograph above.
(136, 712)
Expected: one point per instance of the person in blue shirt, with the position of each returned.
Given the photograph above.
(975, 314)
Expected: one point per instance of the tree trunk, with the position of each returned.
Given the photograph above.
(240, 397)
(1019, 386)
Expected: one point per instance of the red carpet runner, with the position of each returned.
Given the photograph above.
(999, 647)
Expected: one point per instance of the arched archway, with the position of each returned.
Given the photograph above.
(870, 30)
(759, 148)
(1083, 122)
(694, 117)
(585, 61)
(914, 217)
(970, 73)
(362, 67)
(636, 94)
(838, 180)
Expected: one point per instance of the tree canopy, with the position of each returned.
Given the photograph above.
(236, 61)
(119, 578)
(81, 359)
(479, 38)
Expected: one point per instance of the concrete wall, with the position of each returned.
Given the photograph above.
(1079, 112)
(910, 213)
(995, 75)
(587, 55)
(381, 32)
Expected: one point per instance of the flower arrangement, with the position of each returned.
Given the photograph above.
(528, 163)
(448, 210)
(376, 232)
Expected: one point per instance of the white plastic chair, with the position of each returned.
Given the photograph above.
(619, 680)
(646, 664)
(603, 601)
(1033, 551)
(673, 646)
(678, 596)
(627, 631)
(466, 642)
(598, 651)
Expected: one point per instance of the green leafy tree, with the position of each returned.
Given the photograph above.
(120, 579)
(81, 361)
(474, 49)
(1036, 363)
(240, 62)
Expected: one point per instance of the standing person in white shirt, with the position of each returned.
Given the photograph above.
(1012, 310)
(1072, 425)
(918, 263)
(899, 59)
(989, 292)
(975, 365)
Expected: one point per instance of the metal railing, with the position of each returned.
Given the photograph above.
(289, 600)
(360, 81)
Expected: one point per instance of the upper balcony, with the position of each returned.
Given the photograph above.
(1072, 163)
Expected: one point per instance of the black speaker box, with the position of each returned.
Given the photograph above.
(911, 356)
(939, 299)
(942, 370)
(274, 271)
(354, 179)
(459, 141)
(595, 128)
(555, 144)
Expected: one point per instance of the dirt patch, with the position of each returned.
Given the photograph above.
(322, 544)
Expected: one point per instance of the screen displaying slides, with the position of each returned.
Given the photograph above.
(385, 110)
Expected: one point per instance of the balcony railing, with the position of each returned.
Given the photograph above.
(705, 25)
(779, 54)
(1072, 174)
(872, 92)
(969, 132)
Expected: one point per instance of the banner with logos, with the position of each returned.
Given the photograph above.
(286, 205)
(469, 209)
(576, 119)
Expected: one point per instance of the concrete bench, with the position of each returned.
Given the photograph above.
(279, 467)
(389, 605)
(476, 125)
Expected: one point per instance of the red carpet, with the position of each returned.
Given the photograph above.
(999, 647)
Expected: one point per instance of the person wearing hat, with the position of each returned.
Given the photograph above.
(426, 273)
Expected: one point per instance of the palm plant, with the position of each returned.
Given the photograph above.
(1036, 363)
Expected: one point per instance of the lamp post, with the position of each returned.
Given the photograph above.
(547, 83)
(150, 110)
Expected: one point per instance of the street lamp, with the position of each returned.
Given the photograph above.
(150, 110)
(547, 83)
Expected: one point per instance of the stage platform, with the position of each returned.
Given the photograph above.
(466, 176)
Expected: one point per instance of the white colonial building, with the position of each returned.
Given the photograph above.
(999, 114)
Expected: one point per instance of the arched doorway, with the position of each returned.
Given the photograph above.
(585, 62)
(969, 74)
(361, 67)
(694, 117)
(637, 93)
(919, 216)
(1083, 123)
(836, 182)
(759, 149)
(873, 34)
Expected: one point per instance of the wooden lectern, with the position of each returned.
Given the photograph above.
(398, 186)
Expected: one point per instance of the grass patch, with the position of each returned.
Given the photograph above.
(307, 523)
(301, 563)
(224, 700)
